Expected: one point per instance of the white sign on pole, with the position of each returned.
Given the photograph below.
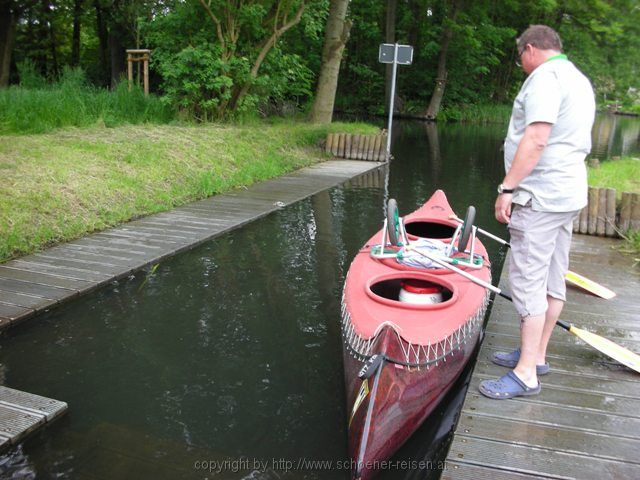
(405, 54)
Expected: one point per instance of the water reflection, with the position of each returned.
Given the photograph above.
(615, 135)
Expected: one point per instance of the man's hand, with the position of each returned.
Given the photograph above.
(503, 207)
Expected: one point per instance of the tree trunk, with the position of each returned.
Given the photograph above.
(116, 55)
(75, 41)
(335, 39)
(441, 76)
(390, 37)
(53, 44)
(103, 39)
(8, 21)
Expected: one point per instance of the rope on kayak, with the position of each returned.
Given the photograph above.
(415, 355)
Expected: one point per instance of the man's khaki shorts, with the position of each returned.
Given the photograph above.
(540, 243)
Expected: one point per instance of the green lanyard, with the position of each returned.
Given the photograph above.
(561, 56)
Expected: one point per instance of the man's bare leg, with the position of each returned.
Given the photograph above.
(553, 314)
(531, 331)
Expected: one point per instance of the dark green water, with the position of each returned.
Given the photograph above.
(228, 357)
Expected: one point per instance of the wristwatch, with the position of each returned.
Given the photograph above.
(502, 190)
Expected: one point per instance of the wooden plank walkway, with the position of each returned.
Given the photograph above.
(586, 422)
(38, 282)
(22, 413)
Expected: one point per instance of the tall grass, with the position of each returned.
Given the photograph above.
(38, 107)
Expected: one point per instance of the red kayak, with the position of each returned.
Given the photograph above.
(409, 326)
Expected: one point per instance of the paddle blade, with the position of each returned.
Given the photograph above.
(613, 350)
(589, 285)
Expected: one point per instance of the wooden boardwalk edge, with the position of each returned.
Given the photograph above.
(22, 413)
(36, 283)
(585, 424)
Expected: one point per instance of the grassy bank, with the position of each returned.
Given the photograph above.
(58, 186)
(624, 176)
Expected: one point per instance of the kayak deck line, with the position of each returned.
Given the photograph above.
(415, 355)
(38, 282)
(585, 423)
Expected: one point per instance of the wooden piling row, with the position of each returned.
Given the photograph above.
(601, 216)
(357, 147)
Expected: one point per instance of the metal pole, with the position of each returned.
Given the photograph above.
(393, 94)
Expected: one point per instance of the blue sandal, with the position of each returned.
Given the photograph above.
(508, 386)
(510, 360)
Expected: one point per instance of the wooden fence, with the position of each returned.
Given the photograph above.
(602, 217)
(357, 147)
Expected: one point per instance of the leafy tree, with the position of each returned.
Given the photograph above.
(220, 49)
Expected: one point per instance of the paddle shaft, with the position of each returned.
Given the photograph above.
(466, 275)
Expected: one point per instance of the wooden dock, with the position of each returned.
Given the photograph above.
(22, 413)
(585, 424)
(38, 282)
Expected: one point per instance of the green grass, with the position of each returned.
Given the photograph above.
(622, 174)
(58, 186)
(73, 103)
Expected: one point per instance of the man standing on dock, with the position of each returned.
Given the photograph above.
(543, 191)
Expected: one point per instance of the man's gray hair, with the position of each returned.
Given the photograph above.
(540, 36)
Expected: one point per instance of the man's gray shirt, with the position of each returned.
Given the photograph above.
(558, 93)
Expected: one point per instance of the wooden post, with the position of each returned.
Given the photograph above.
(145, 69)
(634, 222)
(625, 212)
(593, 211)
(327, 146)
(610, 216)
(341, 145)
(347, 146)
(334, 145)
(130, 70)
(139, 55)
(376, 147)
(602, 212)
(365, 147)
(372, 147)
(584, 220)
(383, 150)
(355, 146)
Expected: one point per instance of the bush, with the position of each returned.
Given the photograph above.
(196, 80)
